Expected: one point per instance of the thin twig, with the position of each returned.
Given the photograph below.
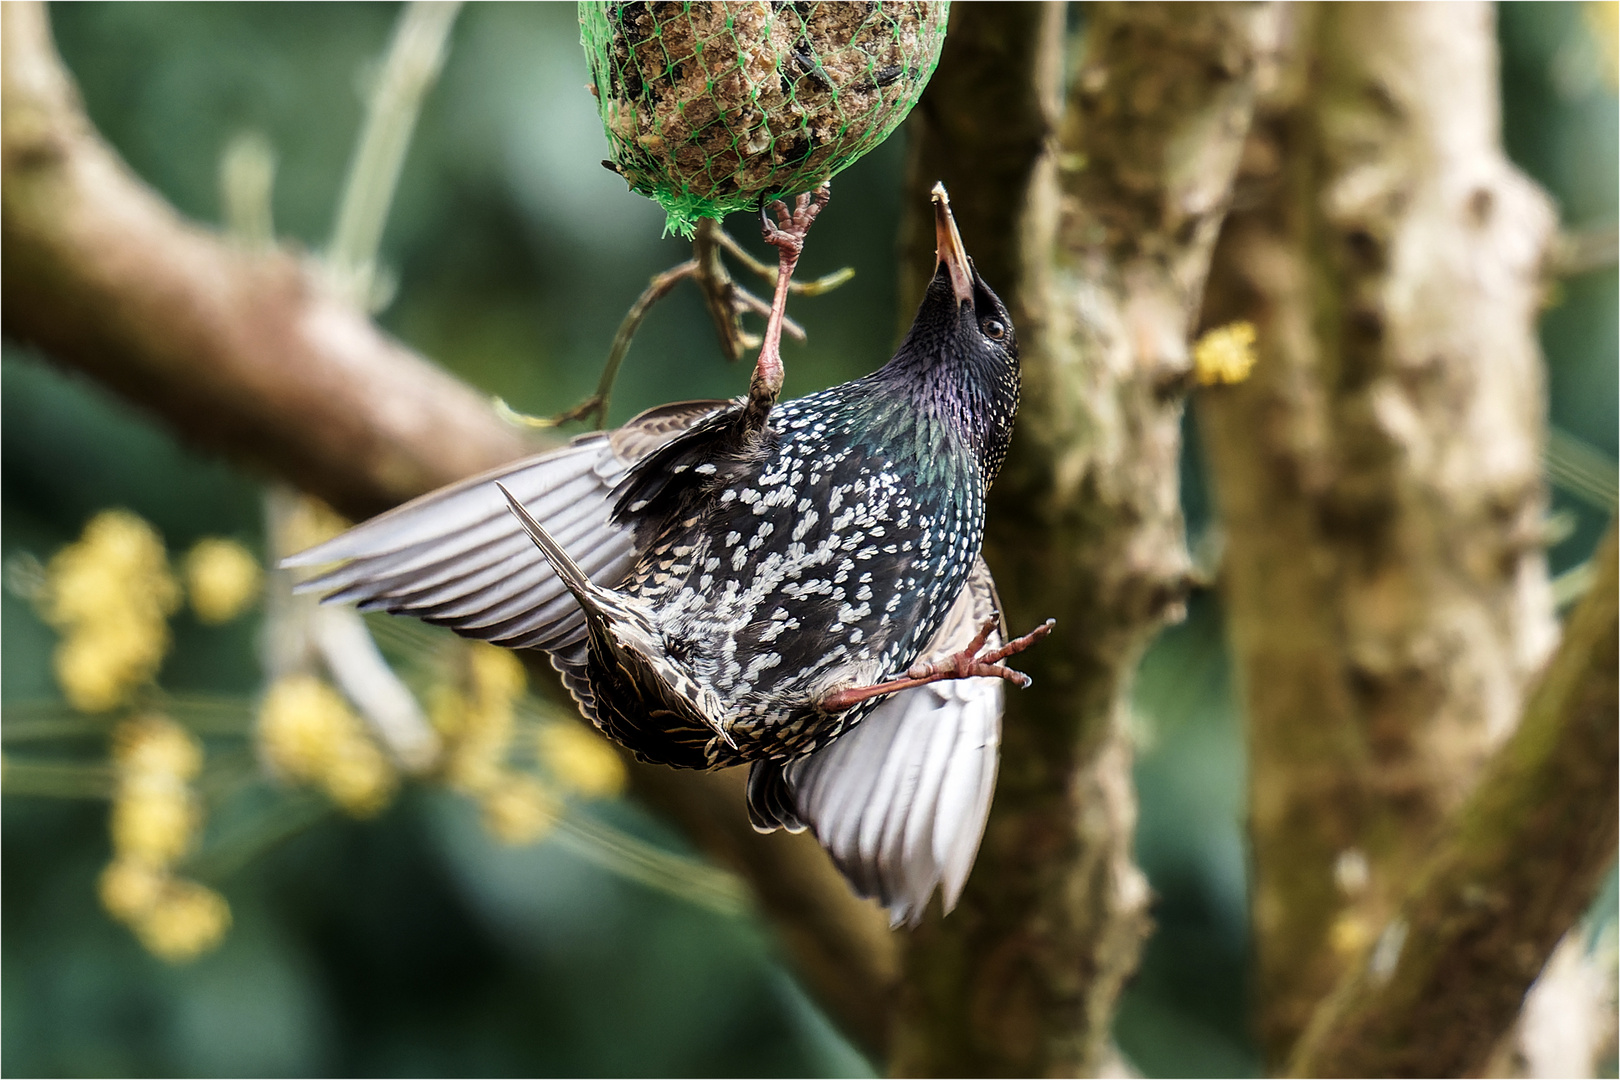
(413, 63)
(1583, 251)
(596, 406)
(59, 779)
(725, 300)
(824, 284)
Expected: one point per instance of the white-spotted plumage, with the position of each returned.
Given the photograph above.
(900, 800)
(723, 583)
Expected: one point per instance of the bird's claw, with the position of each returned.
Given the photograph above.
(969, 663)
(791, 227)
(976, 662)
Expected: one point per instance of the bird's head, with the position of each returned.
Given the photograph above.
(961, 353)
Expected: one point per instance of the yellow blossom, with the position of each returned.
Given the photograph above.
(497, 674)
(447, 710)
(153, 744)
(360, 779)
(581, 760)
(109, 593)
(129, 888)
(154, 821)
(118, 560)
(1603, 20)
(222, 579)
(1225, 355)
(308, 732)
(186, 921)
(518, 810)
(155, 816)
(1350, 934)
(480, 720)
(311, 523)
(98, 664)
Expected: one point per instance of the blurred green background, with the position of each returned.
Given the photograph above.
(415, 944)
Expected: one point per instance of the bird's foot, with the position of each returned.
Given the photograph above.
(787, 235)
(973, 662)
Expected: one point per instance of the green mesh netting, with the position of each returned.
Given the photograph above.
(710, 107)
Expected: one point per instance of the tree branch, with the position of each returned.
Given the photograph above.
(241, 353)
(1517, 866)
(1377, 476)
(247, 355)
(1097, 230)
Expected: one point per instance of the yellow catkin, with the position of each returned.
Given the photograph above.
(222, 579)
(1603, 19)
(497, 674)
(99, 664)
(1350, 934)
(186, 921)
(129, 888)
(518, 809)
(308, 733)
(1225, 355)
(154, 820)
(110, 594)
(155, 816)
(151, 744)
(580, 760)
(482, 718)
(311, 522)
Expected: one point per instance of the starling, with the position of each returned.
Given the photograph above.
(796, 585)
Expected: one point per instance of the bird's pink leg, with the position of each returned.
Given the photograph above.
(970, 663)
(787, 236)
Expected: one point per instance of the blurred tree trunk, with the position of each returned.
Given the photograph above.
(1514, 870)
(1094, 212)
(1378, 476)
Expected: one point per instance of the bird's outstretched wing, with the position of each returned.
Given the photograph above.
(458, 558)
(900, 800)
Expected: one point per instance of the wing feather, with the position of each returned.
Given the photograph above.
(458, 557)
(900, 800)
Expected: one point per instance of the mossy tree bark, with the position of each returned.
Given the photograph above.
(1094, 211)
(1378, 476)
(1513, 870)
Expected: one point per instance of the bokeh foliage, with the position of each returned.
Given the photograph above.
(415, 943)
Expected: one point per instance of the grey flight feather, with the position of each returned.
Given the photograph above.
(458, 558)
(900, 801)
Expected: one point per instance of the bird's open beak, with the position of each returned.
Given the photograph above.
(948, 247)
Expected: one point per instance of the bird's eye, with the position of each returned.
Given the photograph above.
(993, 328)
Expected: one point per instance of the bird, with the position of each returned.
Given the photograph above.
(795, 586)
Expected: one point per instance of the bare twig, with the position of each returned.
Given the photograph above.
(595, 407)
(1583, 251)
(815, 287)
(414, 60)
(725, 300)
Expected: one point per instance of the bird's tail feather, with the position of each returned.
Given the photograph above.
(568, 572)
